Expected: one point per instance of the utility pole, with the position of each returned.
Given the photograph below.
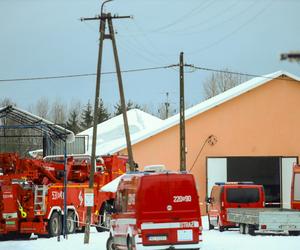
(104, 17)
(167, 105)
(182, 115)
(121, 92)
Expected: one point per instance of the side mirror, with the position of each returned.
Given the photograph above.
(208, 199)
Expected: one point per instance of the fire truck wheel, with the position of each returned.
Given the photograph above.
(25, 236)
(130, 243)
(71, 224)
(110, 243)
(54, 225)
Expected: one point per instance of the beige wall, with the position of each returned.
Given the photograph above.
(262, 122)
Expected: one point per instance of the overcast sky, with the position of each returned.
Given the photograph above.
(45, 38)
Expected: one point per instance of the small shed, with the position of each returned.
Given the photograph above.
(22, 132)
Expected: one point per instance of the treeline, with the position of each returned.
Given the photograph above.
(78, 117)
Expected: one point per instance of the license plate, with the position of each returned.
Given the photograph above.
(157, 238)
(184, 235)
(287, 227)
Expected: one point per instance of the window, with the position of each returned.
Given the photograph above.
(297, 187)
(242, 195)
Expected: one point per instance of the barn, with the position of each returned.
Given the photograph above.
(248, 133)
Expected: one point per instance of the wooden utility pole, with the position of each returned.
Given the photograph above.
(121, 92)
(182, 115)
(103, 19)
(167, 105)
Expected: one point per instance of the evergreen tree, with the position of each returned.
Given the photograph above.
(87, 117)
(72, 123)
(103, 113)
(129, 105)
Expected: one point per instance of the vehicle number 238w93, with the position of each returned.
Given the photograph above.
(179, 198)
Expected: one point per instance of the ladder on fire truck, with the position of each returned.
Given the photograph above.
(39, 199)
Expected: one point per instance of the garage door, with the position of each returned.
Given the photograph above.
(286, 180)
(216, 172)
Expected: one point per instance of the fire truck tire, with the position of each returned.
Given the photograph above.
(71, 223)
(25, 236)
(130, 243)
(54, 225)
(110, 243)
(80, 230)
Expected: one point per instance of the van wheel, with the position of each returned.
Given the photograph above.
(242, 228)
(210, 226)
(294, 233)
(54, 225)
(221, 228)
(71, 224)
(110, 243)
(249, 229)
(130, 243)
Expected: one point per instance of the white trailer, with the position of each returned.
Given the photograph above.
(265, 220)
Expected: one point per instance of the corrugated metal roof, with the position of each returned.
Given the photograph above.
(25, 118)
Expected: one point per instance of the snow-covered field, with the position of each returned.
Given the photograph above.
(212, 240)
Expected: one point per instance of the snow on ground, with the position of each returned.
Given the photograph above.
(212, 240)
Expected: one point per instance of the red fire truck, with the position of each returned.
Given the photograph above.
(295, 194)
(232, 195)
(31, 193)
(156, 211)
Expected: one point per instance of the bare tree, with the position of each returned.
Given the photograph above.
(6, 102)
(218, 82)
(58, 112)
(42, 108)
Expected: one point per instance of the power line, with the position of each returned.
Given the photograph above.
(80, 75)
(138, 70)
(234, 72)
(233, 32)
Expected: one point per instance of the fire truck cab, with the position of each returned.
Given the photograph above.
(232, 195)
(158, 210)
(295, 194)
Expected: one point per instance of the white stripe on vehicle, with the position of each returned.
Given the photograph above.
(170, 225)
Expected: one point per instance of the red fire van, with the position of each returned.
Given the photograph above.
(156, 211)
(232, 195)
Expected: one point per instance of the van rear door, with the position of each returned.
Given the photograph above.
(169, 209)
